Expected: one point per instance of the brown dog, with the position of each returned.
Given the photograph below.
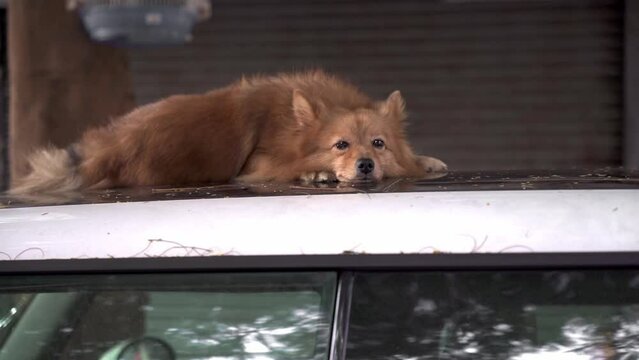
(309, 126)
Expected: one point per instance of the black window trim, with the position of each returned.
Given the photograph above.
(343, 262)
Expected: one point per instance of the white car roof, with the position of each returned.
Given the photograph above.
(593, 218)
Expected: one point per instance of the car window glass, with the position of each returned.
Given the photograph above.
(495, 315)
(195, 316)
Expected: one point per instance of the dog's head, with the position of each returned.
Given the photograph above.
(359, 144)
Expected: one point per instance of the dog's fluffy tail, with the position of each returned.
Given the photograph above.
(52, 171)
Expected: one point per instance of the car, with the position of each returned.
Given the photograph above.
(466, 266)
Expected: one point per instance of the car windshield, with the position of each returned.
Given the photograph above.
(193, 316)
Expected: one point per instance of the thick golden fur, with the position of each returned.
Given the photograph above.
(278, 128)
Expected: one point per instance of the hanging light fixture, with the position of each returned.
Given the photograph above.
(141, 22)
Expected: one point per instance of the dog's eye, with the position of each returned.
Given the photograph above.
(378, 143)
(341, 145)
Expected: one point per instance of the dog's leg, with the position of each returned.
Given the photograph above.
(103, 184)
(254, 177)
(318, 177)
(431, 164)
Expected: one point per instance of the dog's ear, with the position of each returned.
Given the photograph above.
(302, 109)
(394, 106)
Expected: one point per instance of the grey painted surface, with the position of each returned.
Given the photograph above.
(489, 85)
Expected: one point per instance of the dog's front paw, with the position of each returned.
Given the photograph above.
(431, 164)
(318, 177)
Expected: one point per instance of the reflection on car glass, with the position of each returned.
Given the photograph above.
(182, 316)
(495, 315)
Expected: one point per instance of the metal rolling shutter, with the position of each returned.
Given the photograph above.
(489, 84)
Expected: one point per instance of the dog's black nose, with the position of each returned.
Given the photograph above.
(365, 166)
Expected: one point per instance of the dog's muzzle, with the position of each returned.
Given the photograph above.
(364, 166)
